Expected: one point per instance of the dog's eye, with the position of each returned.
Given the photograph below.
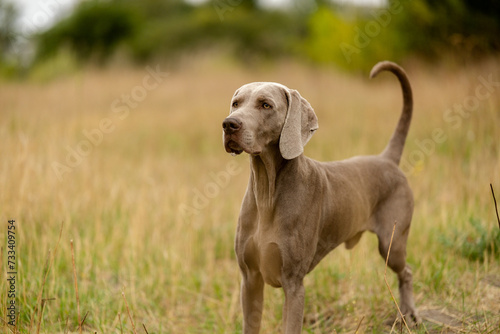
(266, 106)
(235, 104)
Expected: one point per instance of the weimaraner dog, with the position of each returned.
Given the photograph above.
(296, 210)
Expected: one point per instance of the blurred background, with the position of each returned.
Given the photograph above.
(111, 121)
(348, 34)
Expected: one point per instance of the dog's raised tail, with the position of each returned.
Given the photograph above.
(394, 149)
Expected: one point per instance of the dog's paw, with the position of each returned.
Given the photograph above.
(412, 318)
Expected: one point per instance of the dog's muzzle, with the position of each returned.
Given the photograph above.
(231, 127)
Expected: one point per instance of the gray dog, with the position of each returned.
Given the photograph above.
(296, 210)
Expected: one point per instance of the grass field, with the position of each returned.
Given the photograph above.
(129, 164)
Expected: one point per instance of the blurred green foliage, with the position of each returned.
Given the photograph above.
(8, 14)
(7, 18)
(353, 39)
(94, 30)
(475, 245)
(154, 28)
(317, 31)
(467, 29)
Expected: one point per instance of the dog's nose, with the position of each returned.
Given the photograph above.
(231, 125)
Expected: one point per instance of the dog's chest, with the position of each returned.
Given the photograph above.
(262, 254)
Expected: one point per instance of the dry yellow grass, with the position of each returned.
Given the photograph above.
(148, 218)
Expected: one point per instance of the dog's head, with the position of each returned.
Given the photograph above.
(265, 114)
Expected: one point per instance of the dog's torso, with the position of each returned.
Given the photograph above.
(351, 191)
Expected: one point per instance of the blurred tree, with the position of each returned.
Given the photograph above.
(327, 30)
(10, 56)
(156, 9)
(93, 30)
(159, 28)
(353, 38)
(465, 28)
(319, 30)
(8, 15)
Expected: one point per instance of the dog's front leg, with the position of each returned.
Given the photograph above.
(293, 309)
(252, 301)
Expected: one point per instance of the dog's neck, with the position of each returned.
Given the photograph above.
(265, 170)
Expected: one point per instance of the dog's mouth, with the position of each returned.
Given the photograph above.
(233, 147)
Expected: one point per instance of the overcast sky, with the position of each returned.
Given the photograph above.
(37, 14)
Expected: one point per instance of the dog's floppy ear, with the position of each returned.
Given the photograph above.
(300, 124)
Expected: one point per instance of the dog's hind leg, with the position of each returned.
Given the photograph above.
(398, 209)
